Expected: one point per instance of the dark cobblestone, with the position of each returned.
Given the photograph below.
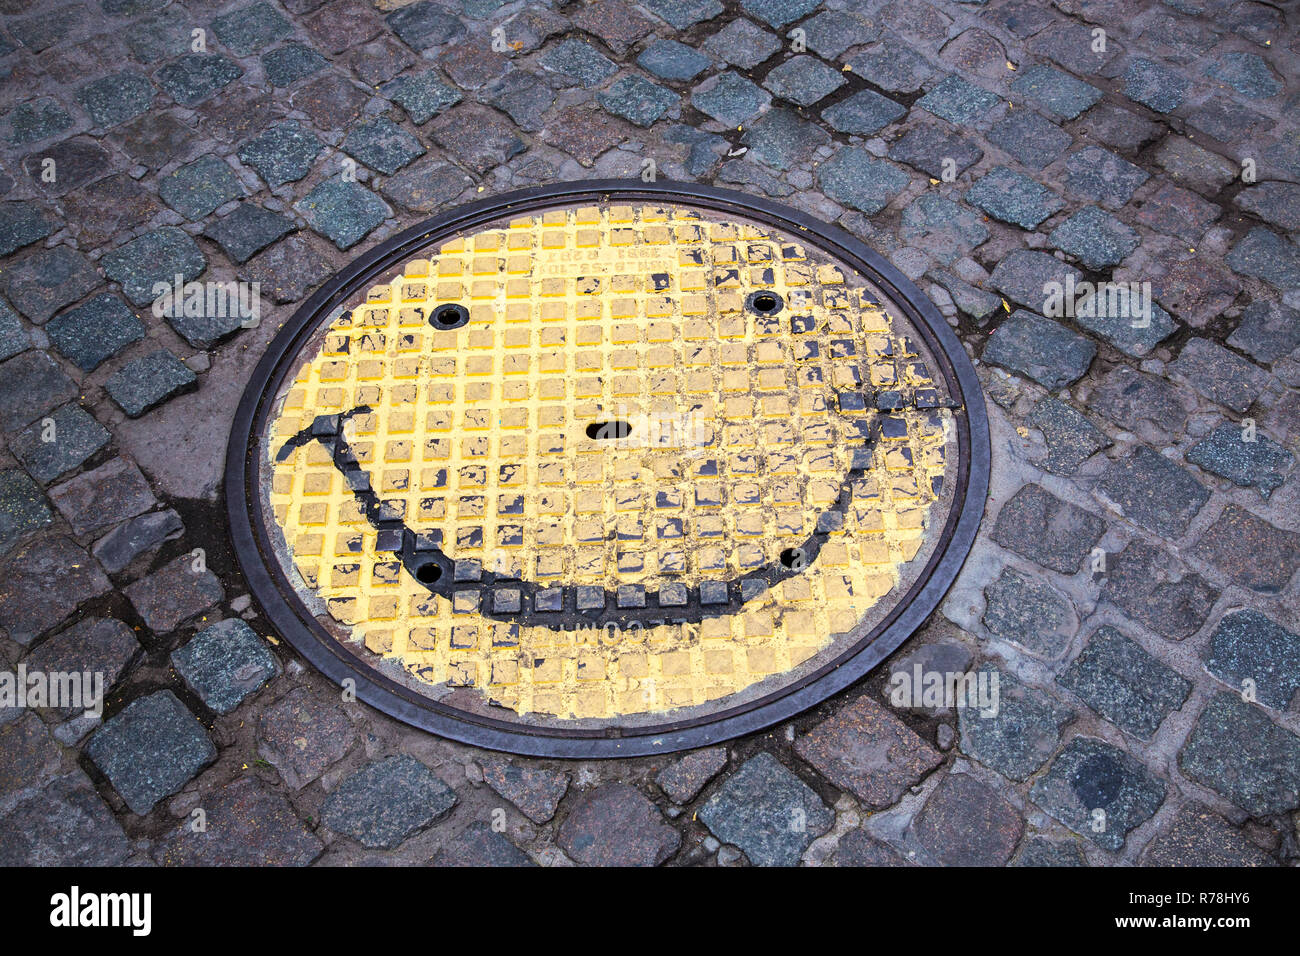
(77, 162)
(386, 801)
(301, 735)
(139, 536)
(147, 382)
(957, 101)
(832, 32)
(288, 270)
(198, 189)
(781, 139)
(224, 663)
(1037, 525)
(1150, 490)
(116, 98)
(480, 845)
(480, 140)
(1153, 588)
(683, 779)
(616, 825)
(1013, 198)
(1029, 612)
(31, 384)
(49, 279)
(577, 61)
(242, 234)
(21, 224)
(869, 752)
(1102, 176)
(684, 14)
(804, 80)
(291, 63)
(1246, 73)
(65, 824)
(1117, 316)
(1028, 137)
(425, 24)
(197, 76)
(97, 499)
(864, 113)
(1130, 398)
(174, 594)
(1039, 349)
(117, 204)
(742, 44)
(535, 791)
(619, 24)
(343, 212)
(1071, 438)
(43, 582)
(1058, 93)
(1191, 165)
(857, 848)
(75, 437)
(1020, 735)
(1125, 684)
(250, 28)
(1278, 203)
(1266, 255)
(637, 100)
(670, 60)
(282, 154)
(1235, 750)
(1258, 462)
(1250, 551)
(1267, 331)
(766, 811)
(151, 749)
(154, 258)
(1248, 646)
(1200, 837)
(1091, 775)
(382, 145)
(13, 336)
(23, 508)
(248, 824)
(38, 120)
(964, 823)
(1220, 375)
(854, 178)
(931, 149)
(729, 98)
(1155, 85)
(1097, 239)
(1037, 851)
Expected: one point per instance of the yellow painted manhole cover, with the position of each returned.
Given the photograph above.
(607, 469)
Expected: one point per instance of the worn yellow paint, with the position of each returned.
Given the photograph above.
(589, 314)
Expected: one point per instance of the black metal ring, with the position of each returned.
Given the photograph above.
(450, 315)
(764, 302)
(866, 647)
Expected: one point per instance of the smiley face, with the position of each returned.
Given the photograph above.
(609, 460)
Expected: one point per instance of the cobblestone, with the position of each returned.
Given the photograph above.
(145, 383)
(535, 791)
(1029, 612)
(1235, 750)
(247, 824)
(1257, 462)
(1028, 137)
(1126, 685)
(1039, 348)
(386, 801)
(480, 845)
(1200, 837)
(683, 779)
(1011, 197)
(65, 824)
(1220, 375)
(767, 811)
(965, 823)
(1150, 490)
(853, 177)
(742, 44)
(224, 663)
(48, 280)
(1048, 531)
(804, 80)
(343, 212)
(1058, 93)
(75, 437)
(616, 825)
(177, 592)
(1090, 775)
(1017, 737)
(1071, 438)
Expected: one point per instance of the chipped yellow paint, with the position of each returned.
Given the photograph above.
(478, 434)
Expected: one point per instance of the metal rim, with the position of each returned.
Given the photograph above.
(294, 622)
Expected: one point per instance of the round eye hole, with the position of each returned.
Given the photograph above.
(764, 302)
(428, 572)
(449, 316)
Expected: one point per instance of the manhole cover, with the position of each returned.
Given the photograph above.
(607, 469)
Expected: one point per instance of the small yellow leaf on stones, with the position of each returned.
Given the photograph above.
(934, 182)
(1022, 431)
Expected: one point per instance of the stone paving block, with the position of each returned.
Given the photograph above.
(1071, 438)
(141, 535)
(76, 162)
(1155, 589)
(1220, 375)
(1037, 525)
(283, 153)
(249, 28)
(703, 150)
(1236, 751)
(804, 80)
(524, 97)
(248, 824)
(160, 37)
(1096, 238)
(942, 226)
(1020, 734)
(832, 32)
(670, 60)
(1037, 851)
(147, 382)
(480, 845)
(729, 98)
(1258, 462)
(1010, 197)
(174, 594)
(1200, 837)
(49, 279)
(21, 224)
(857, 848)
(976, 303)
(767, 811)
(225, 663)
(1155, 85)
(535, 791)
(242, 234)
(116, 98)
(302, 736)
(1226, 121)
(742, 44)
(195, 77)
(91, 333)
(778, 13)
(42, 583)
(1250, 551)
(780, 139)
(288, 270)
(425, 24)
(1058, 93)
(42, 118)
(291, 63)
(23, 508)
(382, 145)
(1278, 203)
(29, 757)
(965, 823)
(1246, 73)
(957, 101)
(1198, 289)
(1266, 255)
(615, 825)
(13, 335)
(387, 801)
(1129, 322)
(933, 150)
(619, 24)
(427, 185)
(1247, 646)
(1029, 612)
(480, 140)
(109, 494)
(869, 752)
(1193, 166)
(1030, 138)
(1039, 348)
(893, 66)
(75, 437)
(1071, 46)
(1102, 176)
(637, 100)
(853, 177)
(1091, 775)
(154, 139)
(343, 212)
(1125, 684)
(1172, 210)
(154, 260)
(864, 113)
(151, 749)
(380, 61)
(684, 14)
(577, 61)
(65, 824)
(31, 384)
(199, 188)
(422, 95)
(683, 779)
(1267, 331)
(1152, 491)
(1119, 128)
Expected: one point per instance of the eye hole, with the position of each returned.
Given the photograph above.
(449, 316)
(428, 572)
(764, 302)
(794, 558)
(614, 429)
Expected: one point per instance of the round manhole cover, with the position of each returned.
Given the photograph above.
(607, 469)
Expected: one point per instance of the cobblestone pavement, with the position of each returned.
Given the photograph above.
(1134, 584)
